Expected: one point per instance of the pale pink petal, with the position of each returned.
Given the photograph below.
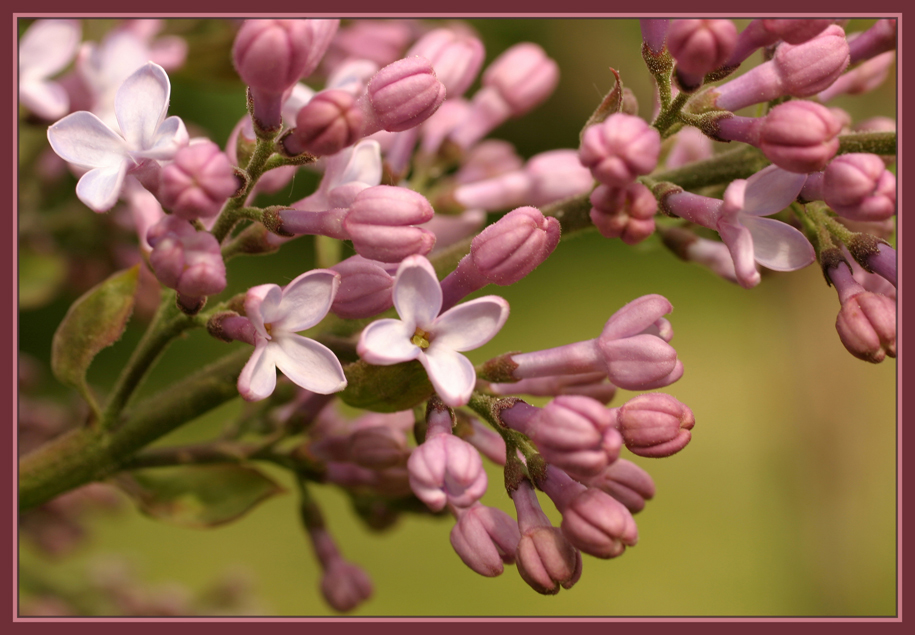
(258, 378)
(779, 246)
(452, 375)
(47, 47)
(307, 299)
(169, 52)
(740, 244)
(386, 342)
(733, 197)
(362, 166)
(47, 100)
(470, 325)
(308, 364)
(83, 139)
(771, 190)
(140, 105)
(261, 306)
(417, 292)
(99, 188)
(169, 138)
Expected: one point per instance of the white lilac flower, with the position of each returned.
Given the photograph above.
(44, 50)
(436, 341)
(277, 315)
(145, 137)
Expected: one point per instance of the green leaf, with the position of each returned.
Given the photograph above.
(197, 496)
(96, 320)
(386, 388)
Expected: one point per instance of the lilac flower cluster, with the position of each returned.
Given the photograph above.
(407, 178)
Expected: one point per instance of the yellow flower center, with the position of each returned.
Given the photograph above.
(421, 338)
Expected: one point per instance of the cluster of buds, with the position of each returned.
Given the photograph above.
(407, 179)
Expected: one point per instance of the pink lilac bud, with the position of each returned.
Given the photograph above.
(633, 357)
(690, 145)
(881, 37)
(392, 482)
(344, 585)
(380, 41)
(626, 482)
(517, 81)
(456, 56)
(699, 47)
(760, 33)
(619, 149)
(626, 213)
(546, 559)
(864, 78)
(655, 425)
(797, 136)
(198, 181)
(801, 70)
(867, 321)
(452, 228)
(883, 263)
(572, 432)
(503, 253)
(377, 447)
(401, 96)
(381, 223)
(328, 123)
(271, 56)
(593, 385)
(365, 289)
(186, 260)
(488, 159)
(445, 469)
(592, 520)
(859, 187)
(485, 538)
(654, 33)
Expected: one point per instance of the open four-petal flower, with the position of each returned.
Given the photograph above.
(277, 314)
(436, 341)
(81, 138)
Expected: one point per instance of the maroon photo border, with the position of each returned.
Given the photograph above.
(463, 8)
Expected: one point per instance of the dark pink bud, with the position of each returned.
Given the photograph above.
(859, 187)
(404, 94)
(381, 222)
(867, 326)
(198, 181)
(654, 33)
(456, 57)
(813, 65)
(626, 482)
(700, 46)
(515, 245)
(186, 260)
(378, 447)
(794, 31)
(523, 76)
(619, 149)
(345, 585)
(365, 289)
(655, 425)
(626, 213)
(799, 136)
(485, 538)
(878, 39)
(328, 123)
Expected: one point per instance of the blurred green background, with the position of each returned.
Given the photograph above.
(784, 503)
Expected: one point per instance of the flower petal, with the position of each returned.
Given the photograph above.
(771, 190)
(258, 378)
(262, 306)
(308, 364)
(636, 316)
(417, 292)
(47, 47)
(470, 325)
(99, 188)
(386, 342)
(140, 105)
(83, 139)
(779, 246)
(307, 299)
(451, 374)
(740, 244)
(47, 100)
(169, 138)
